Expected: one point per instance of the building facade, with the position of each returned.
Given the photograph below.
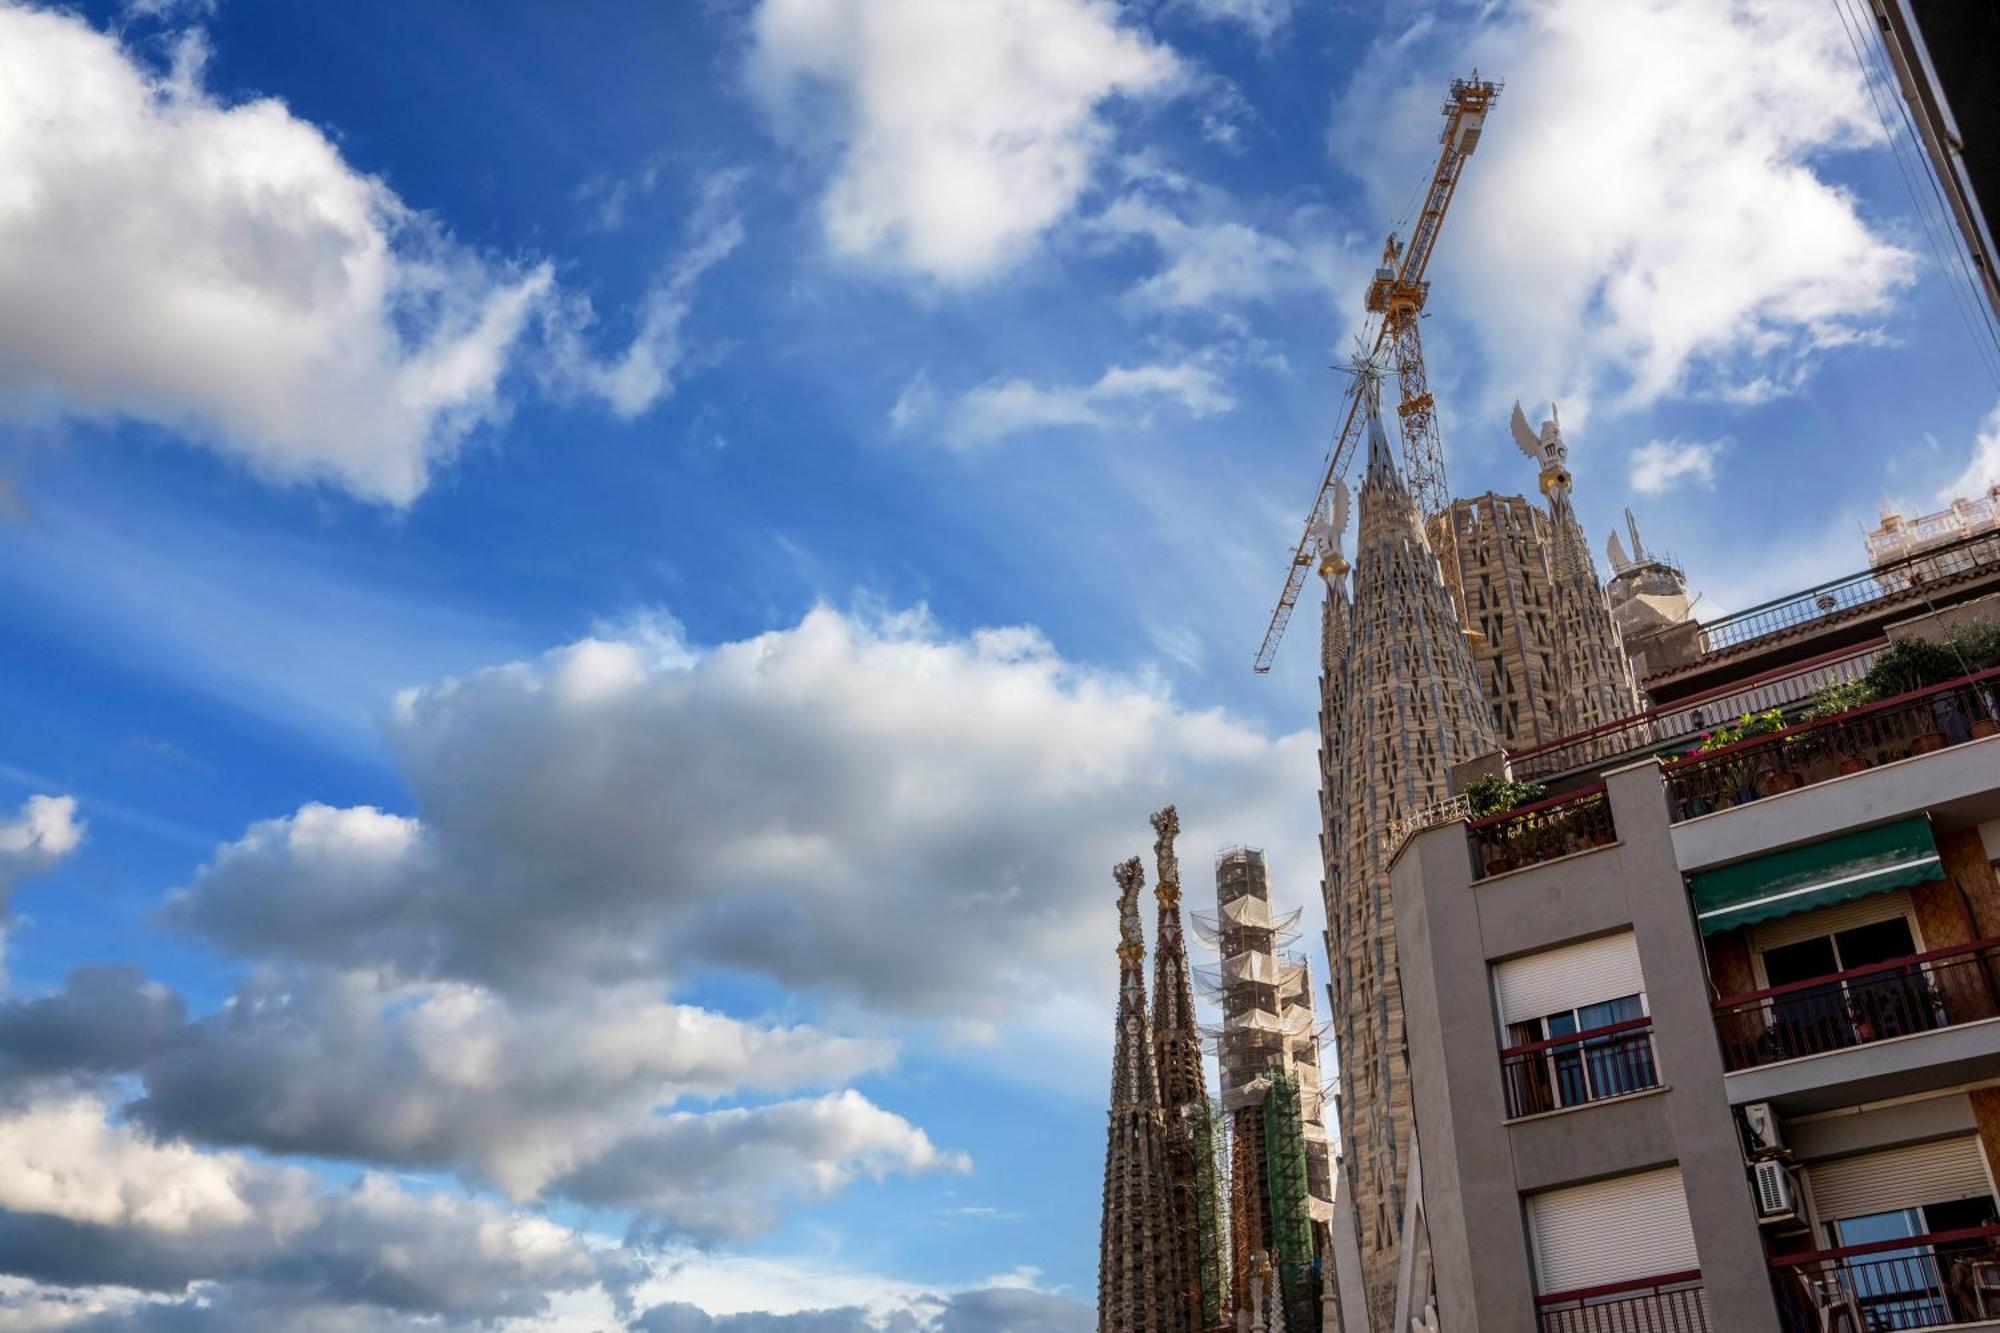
(1712, 1039)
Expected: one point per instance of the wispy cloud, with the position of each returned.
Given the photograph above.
(1122, 395)
(1659, 466)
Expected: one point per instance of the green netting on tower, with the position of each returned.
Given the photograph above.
(1291, 1215)
(1207, 1130)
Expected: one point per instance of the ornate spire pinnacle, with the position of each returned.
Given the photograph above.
(1138, 1290)
(1183, 1094)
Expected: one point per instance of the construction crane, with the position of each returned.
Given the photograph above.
(1397, 294)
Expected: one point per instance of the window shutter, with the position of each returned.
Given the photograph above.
(1881, 1182)
(1568, 978)
(1611, 1231)
(1776, 934)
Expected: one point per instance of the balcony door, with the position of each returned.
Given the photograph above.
(1849, 1011)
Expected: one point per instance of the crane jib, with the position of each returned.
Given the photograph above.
(1398, 294)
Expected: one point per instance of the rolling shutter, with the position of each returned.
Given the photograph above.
(1611, 1231)
(1881, 1182)
(1854, 912)
(1568, 978)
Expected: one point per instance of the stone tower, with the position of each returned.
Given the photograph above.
(1502, 544)
(1593, 675)
(1139, 1287)
(1190, 1144)
(1409, 708)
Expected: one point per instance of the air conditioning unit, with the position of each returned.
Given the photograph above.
(1761, 1125)
(1777, 1198)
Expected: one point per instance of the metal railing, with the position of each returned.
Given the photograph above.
(1448, 811)
(1920, 993)
(1841, 597)
(1669, 1303)
(1929, 1281)
(1531, 834)
(1661, 728)
(1804, 754)
(1590, 1066)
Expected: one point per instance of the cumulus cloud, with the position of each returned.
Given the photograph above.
(1983, 470)
(223, 271)
(858, 807)
(960, 133)
(996, 1309)
(42, 833)
(86, 1201)
(1659, 466)
(1626, 238)
(559, 1098)
(724, 1175)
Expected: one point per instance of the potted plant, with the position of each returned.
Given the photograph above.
(1831, 701)
(1978, 649)
(1491, 795)
(1909, 665)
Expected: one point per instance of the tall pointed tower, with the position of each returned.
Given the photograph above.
(1190, 1160)
(1593, 674)
(1138, 1286)
(1410, 708)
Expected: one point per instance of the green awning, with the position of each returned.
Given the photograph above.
(1853, 865)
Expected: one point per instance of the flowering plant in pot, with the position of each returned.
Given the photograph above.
(1831, 701)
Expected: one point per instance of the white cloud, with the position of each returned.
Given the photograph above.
(1626, 238)
(1264, 18)
(866, 809)
(644, 374)
(1983, 470)
(85, 1200)
(221, 270)
(1121, 395)
(962, 131)
(1209, 261)
(1659, 466)
(42, 833)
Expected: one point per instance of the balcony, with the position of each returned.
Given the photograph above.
(1928, 1281)
(1531, 834)
(1807, 754)
(1669, 1303)
(1553, 1075)
(1921, 993)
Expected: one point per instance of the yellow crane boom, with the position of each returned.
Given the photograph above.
(1397, 294)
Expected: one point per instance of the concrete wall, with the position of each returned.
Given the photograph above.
(1476, 1165)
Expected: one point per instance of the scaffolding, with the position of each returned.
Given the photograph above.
(1289, 1187)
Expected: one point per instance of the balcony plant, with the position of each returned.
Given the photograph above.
(1491, 795)
(1831, 701)
(1909, 665)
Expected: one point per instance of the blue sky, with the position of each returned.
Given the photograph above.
(592, 591)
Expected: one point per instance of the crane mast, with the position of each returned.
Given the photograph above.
(1397, 294)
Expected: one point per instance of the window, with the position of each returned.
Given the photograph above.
(1844, 1012)
(1574, 1025)
(1597, 1067)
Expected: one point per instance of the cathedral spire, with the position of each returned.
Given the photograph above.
(1400, 707)
(1183, 1094)
(1137, 1291)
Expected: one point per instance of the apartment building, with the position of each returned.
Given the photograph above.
(1709, 1038)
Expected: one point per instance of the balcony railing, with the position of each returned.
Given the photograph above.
(1611, 1061)
(1531, 834)
(1920, 993)
(1669, 1303)
(1813, 752)
(1681, 721)
(1842, 597)
(1947, 1277)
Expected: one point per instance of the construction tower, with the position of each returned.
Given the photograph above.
(1140, 1288)
(1409, 709)
(1278, 1168)
(1190, 1161)
(1593, 675)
